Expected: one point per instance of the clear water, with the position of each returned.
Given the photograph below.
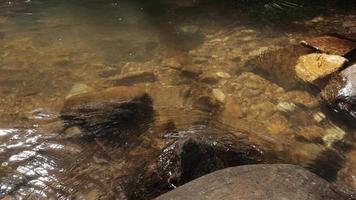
(47, 47)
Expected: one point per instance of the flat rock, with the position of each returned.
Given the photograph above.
(314, 67)
(134, 78)
(256, 182)
(331, 45)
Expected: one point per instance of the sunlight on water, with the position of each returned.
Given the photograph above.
(210, 72)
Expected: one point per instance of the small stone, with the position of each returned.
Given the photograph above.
(132, 78)
(286, 106)
(317, 19)
(219, 95)
(189, 29)
(314, 67)
(319, 117)
(278, 124)
(333, 135)
(77, 89)
(311, 133)
(73, 132)
(223, 75)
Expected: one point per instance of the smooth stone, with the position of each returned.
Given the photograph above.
(132, 78)
(77, 89)
(194, 156)
(256, 182)
(286, 106)
(314, 67)
(331, 45)
(219, 95)
(332, 135)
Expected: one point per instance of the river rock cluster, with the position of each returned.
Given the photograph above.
(192, 115)
(244, 96)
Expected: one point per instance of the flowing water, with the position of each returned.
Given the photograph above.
(50, 49)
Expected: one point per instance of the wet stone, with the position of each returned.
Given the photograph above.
(348, 173)
(340, 92)
(134, 78)
(276, 64)
(312, 68)
(192, 157)
(259, 182)
(77, 89)
(114, 112)
(331, 45)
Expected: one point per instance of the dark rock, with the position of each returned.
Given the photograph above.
(193, 157)
(331, 45)
(111, 112)
(255, 182)
(340, 93)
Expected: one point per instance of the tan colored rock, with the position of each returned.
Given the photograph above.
(132, 78)
(219, 95)
(300, 97)
(77, 89)
(311, 133)
(314, 67)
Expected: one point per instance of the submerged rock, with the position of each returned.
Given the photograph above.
(192, 157)
(134, 78)
(108, 113)
(340, 92)
(252, 182)
(314, 67)
(331, 45)
(77, 89)
(348, 173)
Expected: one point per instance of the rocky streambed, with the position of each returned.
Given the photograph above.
(240, 95)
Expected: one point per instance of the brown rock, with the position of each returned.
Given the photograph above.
(256, 182)
(348, 173)
(331, 45)
(134, 78)
(193, 157)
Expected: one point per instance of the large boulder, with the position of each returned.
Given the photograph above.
(256, 182)
(315, 68)
(340, 93)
